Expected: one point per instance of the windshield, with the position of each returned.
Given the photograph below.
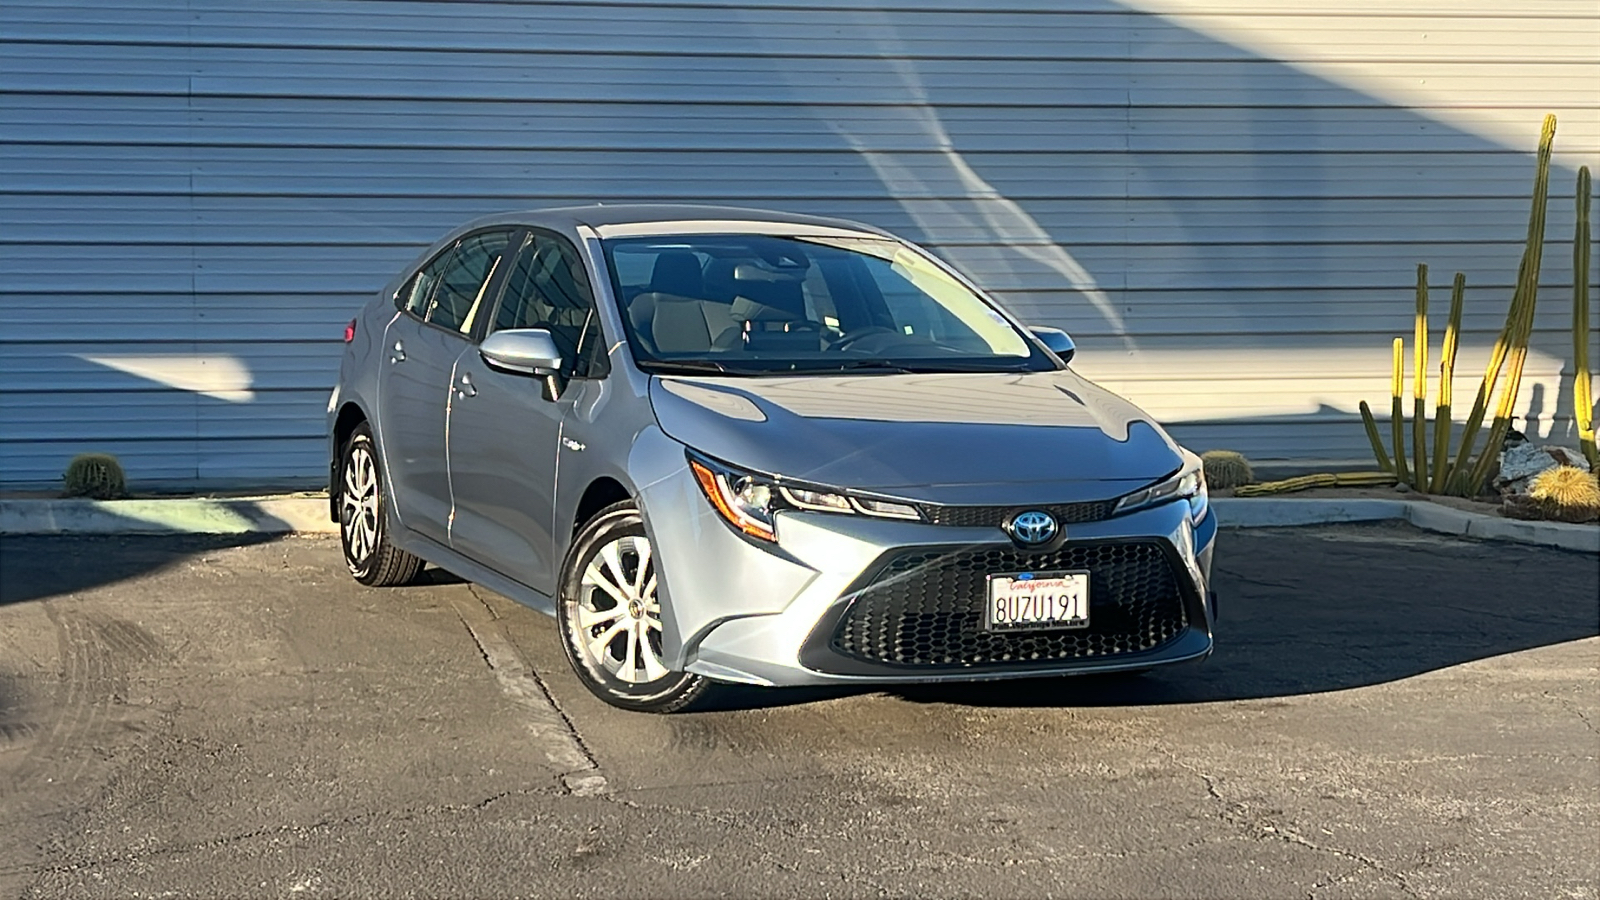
(744, 304)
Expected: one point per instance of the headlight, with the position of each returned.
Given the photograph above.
(751, 502)
(1188, 484)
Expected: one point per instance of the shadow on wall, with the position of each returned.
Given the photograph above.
(1190, 199)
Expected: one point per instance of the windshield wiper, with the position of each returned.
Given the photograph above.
(857, 365)
(955, 368)
(689, 367)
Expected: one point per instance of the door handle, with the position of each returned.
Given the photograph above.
(399, 354)
(466, 389)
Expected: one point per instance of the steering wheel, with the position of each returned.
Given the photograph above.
(857, 334)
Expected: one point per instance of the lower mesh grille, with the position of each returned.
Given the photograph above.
(925, 608)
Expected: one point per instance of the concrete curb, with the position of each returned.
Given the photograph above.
(1238, 512)
(178, 515)
(309, 515)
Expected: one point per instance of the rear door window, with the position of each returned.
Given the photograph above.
(459, 294)
(414, 297)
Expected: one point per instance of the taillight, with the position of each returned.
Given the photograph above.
(350, 331)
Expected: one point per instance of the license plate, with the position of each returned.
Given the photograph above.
(1036, 601)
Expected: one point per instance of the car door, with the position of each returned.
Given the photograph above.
(421, 344)
(505, 428)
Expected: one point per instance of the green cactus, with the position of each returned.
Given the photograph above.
(1397, 416)
(1527, 290)
(1447, 372)
(1582, 380)
(1375, 438)
(1566, 493)
(1226, 469)
(1419, 385)
(95, 475)
(1323, 479)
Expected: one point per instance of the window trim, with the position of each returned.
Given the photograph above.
(490, 289)
(600, 363)
(445, 253)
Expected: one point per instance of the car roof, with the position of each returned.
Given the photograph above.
(650, 218)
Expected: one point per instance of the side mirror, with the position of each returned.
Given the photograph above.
(1055, 340)
(522, 351)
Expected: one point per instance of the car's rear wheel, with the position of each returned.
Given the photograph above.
(372, 559)
(610, 616)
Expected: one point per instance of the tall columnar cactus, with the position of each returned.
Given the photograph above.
(1397, 416)
(1374, 438)
(1527, 291)
(1480, 403)
(1522, 303)
(1582, 381)
(1447, 371)
(1466, 474)
(1419, 385)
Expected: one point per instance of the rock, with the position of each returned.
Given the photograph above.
(1402, 488)
(1567, 456)
(1521, 462)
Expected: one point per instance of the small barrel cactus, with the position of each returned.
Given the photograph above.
(1226, 469)
(95, 475)
(1567, 494)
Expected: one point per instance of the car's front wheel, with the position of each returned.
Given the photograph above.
(372, 559)
(610, 617)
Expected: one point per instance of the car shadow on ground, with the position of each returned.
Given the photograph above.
(41, 567)
(1312, 610)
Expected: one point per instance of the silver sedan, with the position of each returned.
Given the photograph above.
(731, 446)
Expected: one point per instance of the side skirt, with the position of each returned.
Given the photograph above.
(449, 560)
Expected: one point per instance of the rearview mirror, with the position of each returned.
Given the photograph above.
(1055, 340)
(522, 351)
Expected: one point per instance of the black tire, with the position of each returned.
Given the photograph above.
(362, 505)
(619, 671)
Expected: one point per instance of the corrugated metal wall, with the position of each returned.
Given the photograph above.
(1223, 203)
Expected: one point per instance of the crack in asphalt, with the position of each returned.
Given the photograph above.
(521, 683)
(1247, 579)
(405, 814)
(1236, 814)
(549, 695)
(1569, 704)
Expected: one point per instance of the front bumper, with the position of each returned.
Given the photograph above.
(798, 613)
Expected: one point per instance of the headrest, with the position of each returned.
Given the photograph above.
(677, 273)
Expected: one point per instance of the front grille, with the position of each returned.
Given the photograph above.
(996, 516)
(925, 608)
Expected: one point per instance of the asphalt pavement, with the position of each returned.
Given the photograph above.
(1389, 713)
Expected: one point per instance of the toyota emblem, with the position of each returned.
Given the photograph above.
(1033, 527)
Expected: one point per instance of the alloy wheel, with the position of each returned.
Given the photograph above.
(618, 615)
(358, 503)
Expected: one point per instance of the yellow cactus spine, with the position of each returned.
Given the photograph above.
(1447, 371)
(1582, 380)
(1419, 385)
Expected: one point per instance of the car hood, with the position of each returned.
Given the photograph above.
(978, 438)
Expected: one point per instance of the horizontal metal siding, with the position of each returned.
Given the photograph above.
(1249, 220)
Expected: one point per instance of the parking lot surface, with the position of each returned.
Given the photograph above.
(1388, 713)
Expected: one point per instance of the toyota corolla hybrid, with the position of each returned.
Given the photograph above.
(723, 445)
